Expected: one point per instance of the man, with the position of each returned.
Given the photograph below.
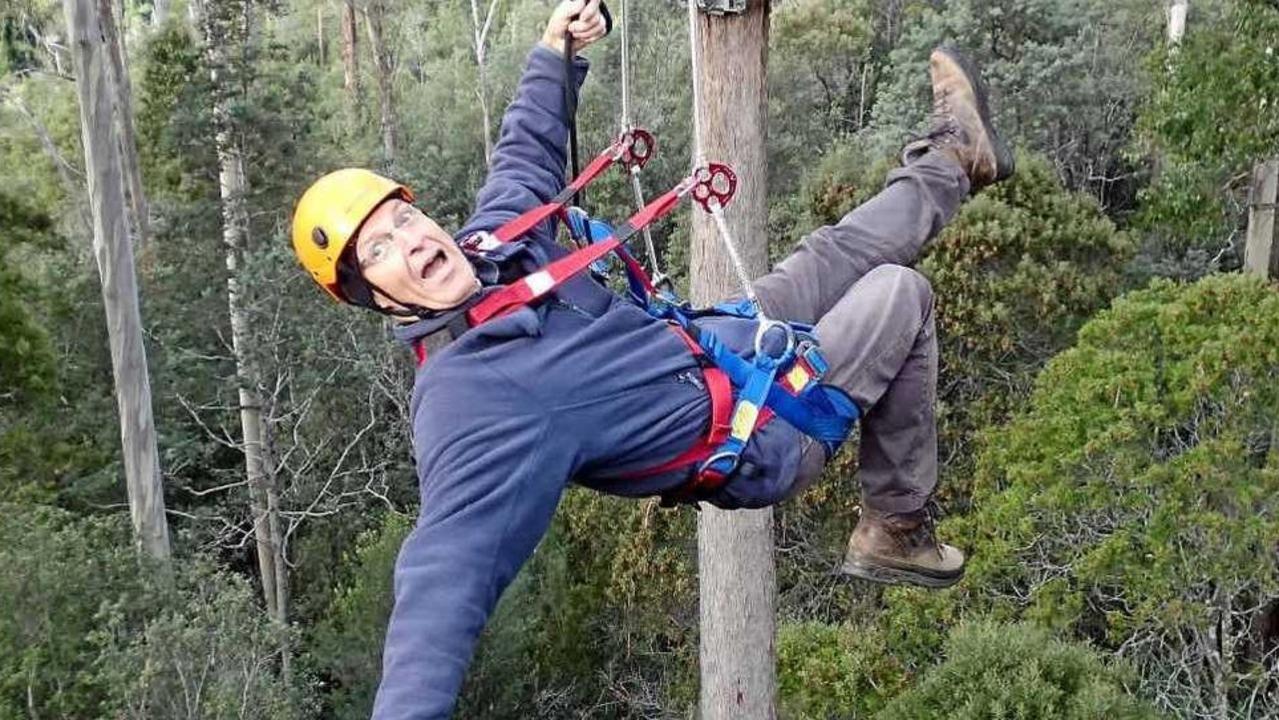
(587, 387)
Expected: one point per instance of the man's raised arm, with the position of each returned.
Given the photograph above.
(527, 167)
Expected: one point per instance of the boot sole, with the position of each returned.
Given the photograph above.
(888, 575)
(1004, 163)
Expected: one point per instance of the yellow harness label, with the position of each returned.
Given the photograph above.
(798, 377)
(744, 419)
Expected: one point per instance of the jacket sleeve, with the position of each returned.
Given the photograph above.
(485, 506)
(527, 167)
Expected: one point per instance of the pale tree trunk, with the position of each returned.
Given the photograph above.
(479, 41)
(159, 12)
(1261, 248)
(124, 123)
(319, 33)
(114, 256)
(1177, 20)
(350, 58)
(735, 549)
(226, 26)
(375, 17)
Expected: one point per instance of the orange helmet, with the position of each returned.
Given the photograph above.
(328, 216)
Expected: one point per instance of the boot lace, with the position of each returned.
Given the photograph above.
(933, 513)
(942, 128)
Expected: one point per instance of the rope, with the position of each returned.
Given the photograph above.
(699, 159)
(659, 278)
(626, 71)
(695, 62)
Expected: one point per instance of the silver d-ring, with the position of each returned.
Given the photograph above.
(764, 326)
(735, 457)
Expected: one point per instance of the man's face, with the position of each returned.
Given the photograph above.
(402, 251)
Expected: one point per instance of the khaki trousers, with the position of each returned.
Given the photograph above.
(874, 318)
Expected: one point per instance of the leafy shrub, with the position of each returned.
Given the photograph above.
(90, 630)
(1017, 672)
(57, 570)
(1021, 267)
(1211, 117)
(1135, 502)
(205, 650)
(1065, 79)
(826, 671)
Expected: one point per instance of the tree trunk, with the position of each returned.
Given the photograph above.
(350, 58)
(159, 12)
(735, 549)
(1261, 248)
(114, 256)
(319, 35)
(226, 25)
(1177, 20)
(375, 16)
(124, 123)
(479, 41)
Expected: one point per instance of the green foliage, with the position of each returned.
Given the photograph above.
(27, 370)
(1211, 117)
(89, 630)
(1017, 672)
(205, 649)
(828, 671)
(1016, 273)
(58, 569)
(605, 613)
(1065, 79)
(345, 647)
(1134, 501)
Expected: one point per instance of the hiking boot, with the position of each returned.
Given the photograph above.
(960, 123)
(897, 548)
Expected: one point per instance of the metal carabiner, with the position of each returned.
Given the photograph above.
(766, 326)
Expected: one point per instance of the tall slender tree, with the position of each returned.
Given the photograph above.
(735, 549)
(114, 255)
(226, 27)
(123, 102)
(480, 27)
(383, 62)
(350, 57)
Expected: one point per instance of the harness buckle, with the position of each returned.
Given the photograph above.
(716, 473)
(766, 327)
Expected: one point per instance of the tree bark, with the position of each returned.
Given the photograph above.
(480, 31)
(350, 57)
(735, 549)
(114, 256)
(1261, 248)
(159, 12)
(226, 25)
(123, 100)
(375, 16)
(1177, 20)
(319, 35)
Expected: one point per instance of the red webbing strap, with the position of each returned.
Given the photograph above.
(536, 285)
(721, 392)
(419, 351)
(530, 219)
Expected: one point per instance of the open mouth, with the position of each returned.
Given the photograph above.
(434, 265)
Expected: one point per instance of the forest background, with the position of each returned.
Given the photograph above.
(1108, 397)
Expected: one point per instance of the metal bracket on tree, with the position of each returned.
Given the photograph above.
(722, 7)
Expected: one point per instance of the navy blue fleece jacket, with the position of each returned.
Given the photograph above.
(581, 388)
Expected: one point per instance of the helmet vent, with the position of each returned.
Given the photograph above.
(320, 239)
